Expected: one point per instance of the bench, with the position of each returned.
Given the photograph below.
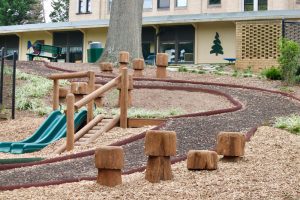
(45, 51)
(230, 60)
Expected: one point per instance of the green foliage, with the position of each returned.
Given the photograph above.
(217, 47)
(248, 72)
(30, 95)
(286, 89)
(290, 123)
(273, 73)
(14, 12)
(182, 69)
(289, 59)
(60, 11)
(140, 113)
(201, 72)
(236, 73)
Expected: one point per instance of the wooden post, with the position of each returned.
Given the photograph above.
(123, 60)
(162, 64)
(91, 87)
(55, 94)
(109, 160)
(70, 121)
(138, 67)
(159, 146)
(124, 98)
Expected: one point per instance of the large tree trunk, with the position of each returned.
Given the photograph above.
(125, 30)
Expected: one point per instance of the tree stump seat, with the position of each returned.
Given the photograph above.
(109, 160)
(231, 144)
(159, 146)
(161, 64)
(202, 160)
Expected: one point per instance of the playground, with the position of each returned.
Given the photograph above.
(197, 107)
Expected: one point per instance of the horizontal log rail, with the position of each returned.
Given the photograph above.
(108, 86)
(69, 75)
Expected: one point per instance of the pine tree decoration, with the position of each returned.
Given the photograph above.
(217, 48)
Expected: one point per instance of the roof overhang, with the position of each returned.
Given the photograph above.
(157, 20)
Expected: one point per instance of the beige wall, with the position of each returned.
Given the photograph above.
(73, 11)
(100, 8)
(32, 36)
(206, 35)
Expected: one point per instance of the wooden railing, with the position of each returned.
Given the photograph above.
(72, 106)
(91, 86)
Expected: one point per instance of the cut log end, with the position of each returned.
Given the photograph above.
(109, 157)
(160, 143)
(124, 57)
(162, 59)
(202, 160)
(106, 67)
(231, 144)
(138, 64)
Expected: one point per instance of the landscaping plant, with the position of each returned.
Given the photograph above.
(289, 59)
(273, 73)
(290, 123)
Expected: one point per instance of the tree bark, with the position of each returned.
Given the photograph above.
(125, 30)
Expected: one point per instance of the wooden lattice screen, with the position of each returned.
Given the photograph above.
(257, 43)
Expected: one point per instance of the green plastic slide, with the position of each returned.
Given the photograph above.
(53, 129)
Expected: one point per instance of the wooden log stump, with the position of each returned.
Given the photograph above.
(63, 92)
(231, 144)
(106, 67)
(79, 88)
(202, 160)
(109, 160)
(138, 67)
(159, 146)
(161, 64)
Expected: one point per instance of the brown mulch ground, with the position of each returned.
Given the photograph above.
(193, 133)
(269, 170)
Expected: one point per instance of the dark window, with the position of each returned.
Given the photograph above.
(181, 3)
(71, 44)
(262, 4)
(178, 43)
(163, 4)
(214, 2)
(248, 5)
(84, 6)
(10, 43)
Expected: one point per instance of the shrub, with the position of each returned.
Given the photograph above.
(289, 59)
(272, 73)
(290, 123)
(182, 69)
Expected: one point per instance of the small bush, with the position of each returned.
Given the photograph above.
(290, 123)
(289, 59)
(272, 73)
(182, 69)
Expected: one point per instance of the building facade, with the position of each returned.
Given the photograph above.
(190, 31)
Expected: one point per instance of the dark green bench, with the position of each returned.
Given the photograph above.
(45, 51)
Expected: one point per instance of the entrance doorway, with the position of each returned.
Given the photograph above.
(71, 43)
